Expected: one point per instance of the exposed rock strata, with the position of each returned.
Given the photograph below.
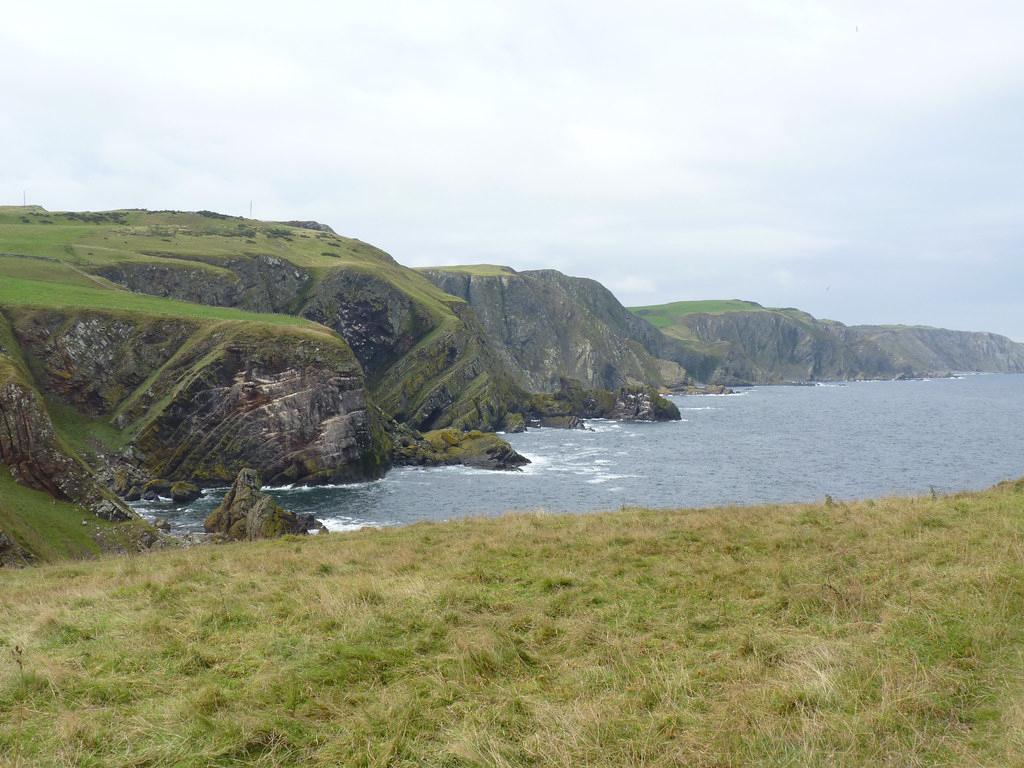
(547, 326)
(30, 449)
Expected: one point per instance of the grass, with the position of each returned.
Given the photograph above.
(67, 246)
(480, 270)
(885, 633)
(19, 292)
(51, 529)
(667, 315)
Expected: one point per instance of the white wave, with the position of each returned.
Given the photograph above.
(343, 524)
(330, 487)
(606, 478)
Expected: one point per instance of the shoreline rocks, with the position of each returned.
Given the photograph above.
(248, 514)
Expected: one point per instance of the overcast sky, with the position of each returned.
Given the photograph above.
(860, 160)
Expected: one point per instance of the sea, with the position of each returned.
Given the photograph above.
(847, 440)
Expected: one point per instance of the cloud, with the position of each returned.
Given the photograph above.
(736, 148)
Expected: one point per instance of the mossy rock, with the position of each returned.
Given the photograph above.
(183, 493)
(247, 514)
(515, 423)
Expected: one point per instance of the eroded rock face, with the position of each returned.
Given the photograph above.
(248, 514)
(259, 282)
(378, 321)
(93, 361)
(547, 326)
(29, 448)
(293, 408)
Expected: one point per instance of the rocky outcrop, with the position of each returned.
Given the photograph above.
(183, 492)
(547, 326)
(572, 404)
(206, 399)
(258, 282)
(424, 354)
(292, 405)
(453, 446)
(92, 361)
(12, 554)
(380, 322)
(29, 447)
(248, 514)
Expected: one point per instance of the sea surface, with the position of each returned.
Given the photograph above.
(764, 444)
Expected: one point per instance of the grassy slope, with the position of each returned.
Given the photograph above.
(49, 529)
(17, 292)
(39, 249)
(195, 240)
(480, 270)
(667, 315)
(881, 633)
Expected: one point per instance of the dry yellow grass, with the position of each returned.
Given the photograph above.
(883, 633)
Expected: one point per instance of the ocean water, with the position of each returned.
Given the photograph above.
(764, 444)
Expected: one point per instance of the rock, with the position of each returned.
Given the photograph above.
(133, 494)
(162, 524)
(559, 422)
(11, 554)
(183, 493)
(705, 389)
(566, 408)
(30, 449)
(155, 489)
(109, 510)
(453, 446)
(515, 423)
(248, 514)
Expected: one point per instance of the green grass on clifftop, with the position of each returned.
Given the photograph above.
(665, 315)
(885, 633)
(478, 270)
(18, 292)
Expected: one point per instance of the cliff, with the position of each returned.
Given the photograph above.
(732, 342)
(546, 326)
(425, 357)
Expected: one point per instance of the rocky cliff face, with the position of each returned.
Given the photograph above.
(571, 404)
(294, 409)
(201, 401)
(425, 356)
(772, 347)
(547, 326)
(935, 350)
(31, 450)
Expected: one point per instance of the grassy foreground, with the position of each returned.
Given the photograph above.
(879, 633)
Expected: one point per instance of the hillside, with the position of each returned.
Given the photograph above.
(746, 343)
(424, 359)
(884, 633)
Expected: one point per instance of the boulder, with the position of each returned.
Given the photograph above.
(247, 514)
(515, 423)
(183, 493)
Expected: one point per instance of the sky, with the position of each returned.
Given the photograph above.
(863, 161)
